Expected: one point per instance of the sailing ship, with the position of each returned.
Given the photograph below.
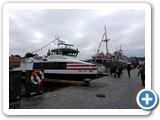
(108, 59)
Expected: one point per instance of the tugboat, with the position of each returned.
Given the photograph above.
(109, 60)
(61, 63)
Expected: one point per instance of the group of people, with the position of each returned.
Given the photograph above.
(118, 71)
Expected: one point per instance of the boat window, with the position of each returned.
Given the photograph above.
(52, 65)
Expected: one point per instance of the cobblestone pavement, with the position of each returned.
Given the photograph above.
(118, 93)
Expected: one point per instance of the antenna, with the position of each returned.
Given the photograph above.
(56, 38)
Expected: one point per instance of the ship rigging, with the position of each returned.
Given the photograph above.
(108, 59)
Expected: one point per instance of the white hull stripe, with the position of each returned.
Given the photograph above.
(80, 64)
(70, 71)
(82, 67)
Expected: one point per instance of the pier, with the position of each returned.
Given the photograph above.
(106, 92)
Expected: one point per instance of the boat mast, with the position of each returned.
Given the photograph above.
(106, 41)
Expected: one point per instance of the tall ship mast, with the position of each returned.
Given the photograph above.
(115, 59)
(106, 41)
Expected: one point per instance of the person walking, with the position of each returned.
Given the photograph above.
(129, 70)
(118, 72)
(115, 71)
(142, 73)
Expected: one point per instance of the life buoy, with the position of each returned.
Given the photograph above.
(37, 79)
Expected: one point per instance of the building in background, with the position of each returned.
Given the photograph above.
(14, 62)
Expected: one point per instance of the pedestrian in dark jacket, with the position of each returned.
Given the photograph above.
(121, 70)
(118, 72)
(142, 73)
(114, 71)
(129, 70)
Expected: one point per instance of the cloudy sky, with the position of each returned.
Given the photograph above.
(31, 29)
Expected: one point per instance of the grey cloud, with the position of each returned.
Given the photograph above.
(83, 28)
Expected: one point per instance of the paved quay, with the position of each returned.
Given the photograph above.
(118, 93)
